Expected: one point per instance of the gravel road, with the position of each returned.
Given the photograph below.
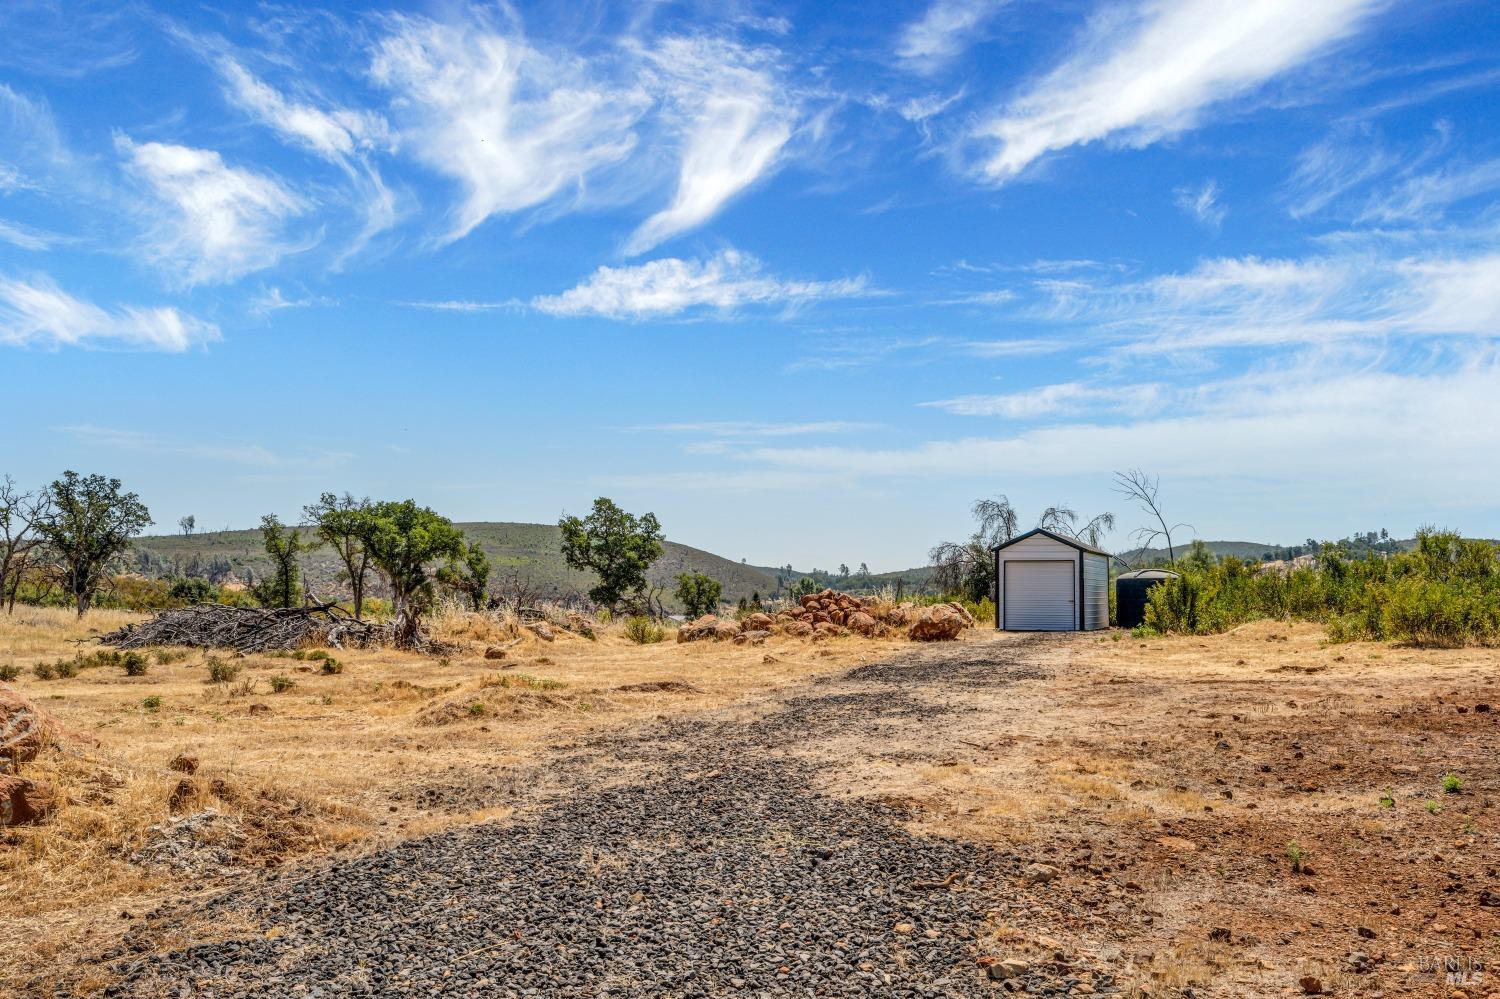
(693, 858)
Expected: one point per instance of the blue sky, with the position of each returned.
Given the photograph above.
(805, 280)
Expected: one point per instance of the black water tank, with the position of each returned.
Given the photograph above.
(1130, 594)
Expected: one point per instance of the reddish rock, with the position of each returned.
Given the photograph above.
(863, 624)
(25, 802)
(798, 629)
(938, 623)
(758, 622)
(25, 729)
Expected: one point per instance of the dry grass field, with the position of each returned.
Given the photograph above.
(1164, 786)
(391, 746)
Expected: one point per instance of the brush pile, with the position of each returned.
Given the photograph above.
(831, 614)
(246, 629)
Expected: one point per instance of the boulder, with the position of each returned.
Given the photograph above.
(756, 636)
(25, 729)
(938, 623)
(797, 629)
(827, 629)
(963, 613)
(758, 622)
(542, 630)
(25, 802)
(863, 624)
(708, 627)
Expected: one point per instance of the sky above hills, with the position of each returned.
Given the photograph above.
(803, 279)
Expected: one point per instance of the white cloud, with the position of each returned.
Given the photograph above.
(332, 134)
(1046, 400)
(669, 286)
(1202, 203)
(750, 429)
(514, 126)
(25, 237)
(1238, 302)
(465, 305)
(219, 222)
(39, 313)
(1151, 75)
(1012, 348)
(942, 33)
(116, 439)
(1298, 431)
(736, 119)
(1424, 197)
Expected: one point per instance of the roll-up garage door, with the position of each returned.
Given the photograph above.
(1041, 596)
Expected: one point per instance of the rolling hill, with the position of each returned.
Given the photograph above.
(528, 550)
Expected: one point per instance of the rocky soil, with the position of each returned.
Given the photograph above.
(694, 859)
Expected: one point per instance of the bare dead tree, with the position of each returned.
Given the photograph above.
(21, 515)
(1143, 489)
(997, 520)
(514, 593)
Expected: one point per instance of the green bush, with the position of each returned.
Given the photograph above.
(44, 671)
(134, 664)
(281, 683)
(152, 703)
(193, 590)
(1445, 592)
(9, 672)
(641, 630)
(220, 671)
(332, 666)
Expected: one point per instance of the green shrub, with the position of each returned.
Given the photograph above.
(134, 664)
(193, 590)
(1452, 784)
(1445, 592)
(332, 666)
(641, 630)
(66, 668)
(477, 709)
(44, 671)
(152, 703)
(281, 683)
(220, 671)
(9, 672)
(317, 654)
(166, 657)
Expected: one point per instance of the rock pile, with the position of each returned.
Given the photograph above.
(830, 614)
(25, 730)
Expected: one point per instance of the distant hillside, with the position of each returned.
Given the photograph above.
(529, 550)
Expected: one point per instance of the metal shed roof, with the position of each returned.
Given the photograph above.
(1070, 542)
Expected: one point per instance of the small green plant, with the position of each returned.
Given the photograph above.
(641, 630)
(281, 683)
(1452, 784)
(44, 671)
(332, 666)
(1387, 800)
(327, 700)
(1434, 807)
(477, 709)
(134, 664)
(166, 657)
(66, 668)
(220, 671)
(1298, 856)
(152, 703)
(9, 672)
(319, 654)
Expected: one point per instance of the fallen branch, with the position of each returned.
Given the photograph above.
(246, 629)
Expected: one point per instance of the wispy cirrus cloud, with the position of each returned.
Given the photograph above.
(750, 429)
(735, 116)
(118, 439)
(1046, 400)
(1202, 203)
(942, 33)
(209, 221)
(25, 237)
(725, 282)
(513, 126)
(37, 313)
(1141, 75)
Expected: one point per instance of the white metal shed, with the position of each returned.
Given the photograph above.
(1048, 582)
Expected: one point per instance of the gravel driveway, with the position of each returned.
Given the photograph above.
(718, 869)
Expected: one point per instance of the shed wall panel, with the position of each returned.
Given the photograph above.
(1040, 595)
(1095, 592)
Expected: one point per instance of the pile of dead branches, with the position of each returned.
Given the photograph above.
(246, 629)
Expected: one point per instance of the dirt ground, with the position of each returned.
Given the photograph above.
(1169, 783)
(392, 746)
(1161, 789)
